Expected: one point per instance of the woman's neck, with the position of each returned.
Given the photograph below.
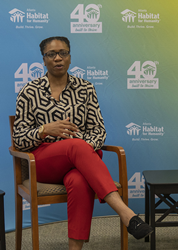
(57, 82)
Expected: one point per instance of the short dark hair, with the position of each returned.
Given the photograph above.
(48, 40)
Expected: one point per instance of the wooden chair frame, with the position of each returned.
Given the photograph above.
(31, 194)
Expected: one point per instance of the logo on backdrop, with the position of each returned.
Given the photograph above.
(142, 19)
(146, 132)
(136, 186)
(27, 74)
(31, 19)
(17, 15)
(128, 16)
(133, 129)
(92, 74)
(87, 19)
(26, 205)
(144, 75)
(78, 72)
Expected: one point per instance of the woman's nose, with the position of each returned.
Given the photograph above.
(58, 57)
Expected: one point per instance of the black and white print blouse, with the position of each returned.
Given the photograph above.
(35, 106)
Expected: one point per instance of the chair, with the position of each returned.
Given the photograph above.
(27, 187)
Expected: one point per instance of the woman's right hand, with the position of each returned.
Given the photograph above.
(62, 128)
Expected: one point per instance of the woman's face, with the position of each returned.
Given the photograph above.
(57, 66)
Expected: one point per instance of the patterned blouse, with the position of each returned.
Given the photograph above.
(35, 106)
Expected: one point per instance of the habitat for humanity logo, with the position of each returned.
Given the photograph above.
(136, 186)
(26, 74)
(28, 20)
(146, 132)
(144, 76)
(87, 19)
(133, 129)
(17, 15)
(92, 74)
(128, 16)
(142, 18)
(78, 72)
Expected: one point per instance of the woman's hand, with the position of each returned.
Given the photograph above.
(62, 128)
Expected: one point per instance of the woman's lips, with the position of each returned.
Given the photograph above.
(58, 66)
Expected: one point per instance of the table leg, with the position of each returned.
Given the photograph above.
(152, 205)
(147, 207)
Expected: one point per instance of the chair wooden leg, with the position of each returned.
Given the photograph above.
(34, 221)
(124, 236)
(18, 212)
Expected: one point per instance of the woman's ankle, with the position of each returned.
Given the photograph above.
(75, 244)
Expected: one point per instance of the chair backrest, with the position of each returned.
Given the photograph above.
(24, 162)
(11, 121)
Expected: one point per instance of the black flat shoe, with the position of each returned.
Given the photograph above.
(138, 228)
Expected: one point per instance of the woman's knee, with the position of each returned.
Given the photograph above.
(75, 182)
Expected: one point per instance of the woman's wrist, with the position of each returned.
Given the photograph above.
(41, 132)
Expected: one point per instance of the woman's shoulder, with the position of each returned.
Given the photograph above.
(34, 84)
(80, 82)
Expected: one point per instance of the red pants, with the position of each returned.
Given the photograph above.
(75, 163)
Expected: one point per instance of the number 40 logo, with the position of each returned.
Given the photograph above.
(147, 70)
(136, 185)
(91, 13)
(25, 74)
(143, 76)
(86, 20)
(137, 181)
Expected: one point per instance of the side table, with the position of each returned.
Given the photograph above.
(162, 183)
(2, 227)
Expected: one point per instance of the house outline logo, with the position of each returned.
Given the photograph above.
(128, 16)
(133, 129)
(78, 72)
(36, 72)
(92, 14)
(149, 69)
(16, 15)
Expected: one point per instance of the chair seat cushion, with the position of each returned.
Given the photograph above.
(44, 189)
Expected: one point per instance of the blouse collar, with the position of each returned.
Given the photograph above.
(72, 81)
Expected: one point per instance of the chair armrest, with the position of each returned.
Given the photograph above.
(24, 155)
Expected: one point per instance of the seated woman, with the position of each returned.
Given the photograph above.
(59, 120)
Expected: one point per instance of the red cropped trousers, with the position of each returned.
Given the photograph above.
(74, 163)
